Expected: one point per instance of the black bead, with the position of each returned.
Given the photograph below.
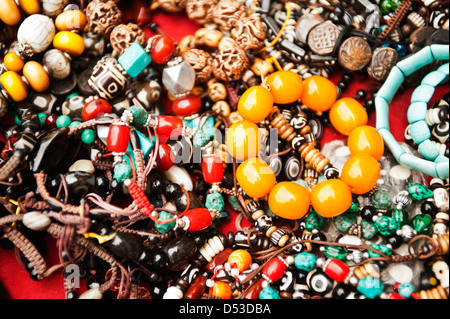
(319, 237)
(369, 105)
(428, 207)
(361, 94)
(394, 240)
(93, 282)
(368, 212)
(173, 191)
(341, 291)
(158, 259)
(102, 184)
(156, 185)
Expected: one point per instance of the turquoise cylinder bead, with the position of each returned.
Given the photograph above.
(382, 114)
(435, 77)
(415, 62)
(442, 169)
(389, 139)
(440, 51)
(423, 92)
(134, 60)
(391, 84)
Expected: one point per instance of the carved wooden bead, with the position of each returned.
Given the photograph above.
(102, 17)
(230, 64)
(227, 13)
(249, 33)
(172, 5)
(202, 62)
(200, 11)
(123, 35)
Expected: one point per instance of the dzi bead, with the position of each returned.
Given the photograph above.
(106, 79)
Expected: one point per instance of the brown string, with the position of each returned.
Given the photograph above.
(9, 167)
(394, 22)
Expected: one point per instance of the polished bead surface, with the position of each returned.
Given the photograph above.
(360, 173)
(285, 86)
(347, 114)
(319, 93)
(212, 169)
(274, 269)
(199, 219)
(36, 76)
(221, 290)
(69, 42)
(165, 157)
(13, 84)
(187, 105)
(70, 20)
(95, 109)
(9, 12)
(38, 31)
(169, 127)
(134, 60)
(337, 270)
(366, 139)
(255, 177)
(331, 198)
(162, 49)
(305, 261)
(289, 200)
(241, 259)
(255, 104)
(13, 62)
(118, 138)
(243, 140)
(179, 78)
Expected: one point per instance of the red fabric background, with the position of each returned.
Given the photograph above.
(15, 278)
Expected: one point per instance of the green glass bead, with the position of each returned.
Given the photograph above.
(381, 199)
(368, 229)
(337, 252)
(75, 123)
(88, 136)
(233, 201)
(344, 222)
(122, 171)
(386, 225)
(140, 115)
(63, 121)
(164, 227)
(215, 201)
(370, 287)
(269, 293)
(313, 221)
(384, 249)
(305, 261)
(42, 116)
(400, 215)
(422, 224)
(419, 192)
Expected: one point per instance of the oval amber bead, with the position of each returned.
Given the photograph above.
(285, 86)
(221, 290)
(319, 93)
(14, 86)
(360, 173)
(30, 6)
(347, 114)
(289, 200)
(243, 140)
(36, 76)
(70, 20)
(69, 42)
(240, 259)
(255, 104)
(9, 12)
(255, 177)
(13, 62)
(366, 139)
(331, 198)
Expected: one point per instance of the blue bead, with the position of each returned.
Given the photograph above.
(442, 169)
(440, 51)
(434, 78)
(393, 145)
(305, 261)
(370, 287)
(146, 145)
(269, 293)
(405, 289)
(419, 164)
(419, 131)
(422, 93)
(391, 84)
(415, 62)
(382, 113)
(428, 150)
(417, 111)
(134, 60)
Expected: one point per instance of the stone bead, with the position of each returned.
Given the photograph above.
(215, 201)
(36, 221)
(57, 64)
(381, 199)
(148, 93)
(53, 8)
(82, 165)
(164, 227)
(269, 293)
(305, 261)
(386, 225)
(14, 86)
(419, 192)
(106, 80)
(9, 12)
(180, 176)
(134, 59)
(73, 107)
(178, 78)
(80, 183)
(370, 287)
(70, 20)
(422, 223)
(37, 31)
(125, 246)
(179, 251)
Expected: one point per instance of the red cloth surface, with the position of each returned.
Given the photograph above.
(16, 279)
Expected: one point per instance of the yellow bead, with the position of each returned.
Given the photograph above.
(36, 76)
(366, 139)
(347, 114)
(69, 42)
(331, 198)
(70, 20)
(13, 62)
(289, 200)
(255, 177)
(319, 93)
(221, 290)
(360, 173)
(30, 6)
(240, 259)
(285, 86)
(14, 86)
(243, 140)
(255, 104)
(9, 12)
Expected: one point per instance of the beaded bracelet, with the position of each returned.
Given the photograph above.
(434, 164)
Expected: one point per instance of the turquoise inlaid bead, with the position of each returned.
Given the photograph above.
(215, 201)
(382, 114)
(400, 215)
(419, 131)
(338, 252)
(269, 293)
(391, 84)
(396, 149)
(140, 115)
(313, 221)
(440, 51)
(417, 61)
(233, 201)
(405, 289)
(442, 169)
(419, 191)
(370, 287)
(344, 222)
(381, 199)
(428, 150)
(368, 229)
(386, 225)
(88, 136)
(63, 121)
(42, 116)
(134, 60)
(384, 249)
(305, 261)
(164, 227)
(422, 224)
(423, 92)
(417, 111)
(122, 171)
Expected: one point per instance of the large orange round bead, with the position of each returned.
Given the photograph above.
(347, 114)
(221, 290)
(255, 177)
(14, 86)
(319, 93)
(255, 104)
(285, 86)
(243, 140)
(240, 259)
(13, 62)
(360, 173)
(36, 76)
(289, 200)
(331, 198)
(366, 139)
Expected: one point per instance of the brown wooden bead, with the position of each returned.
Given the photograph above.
(322, 38)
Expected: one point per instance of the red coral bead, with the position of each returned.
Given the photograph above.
(95, 108)
(187, 105)
(274, 269)
(118, 138)
(336, 269)
(199, 219)
(212, 169)
(169, 127)
(162, 49)
(165, 157)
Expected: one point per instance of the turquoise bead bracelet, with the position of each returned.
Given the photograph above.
(432, 163)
